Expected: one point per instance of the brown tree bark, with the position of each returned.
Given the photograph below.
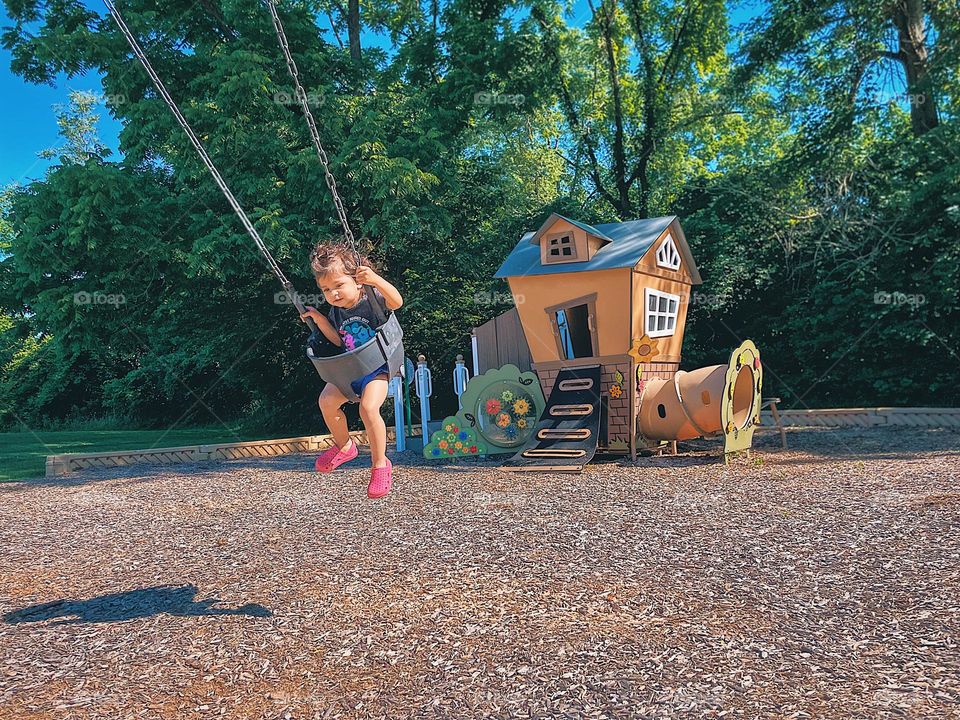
(353, 27)
(908, 18)
(624, 205)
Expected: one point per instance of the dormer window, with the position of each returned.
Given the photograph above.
(561, 247)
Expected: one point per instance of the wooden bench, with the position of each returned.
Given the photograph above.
(771, 404)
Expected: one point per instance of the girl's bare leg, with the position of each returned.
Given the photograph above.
(373, 396)
(331, 407)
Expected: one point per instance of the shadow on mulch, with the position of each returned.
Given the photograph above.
(129, 605)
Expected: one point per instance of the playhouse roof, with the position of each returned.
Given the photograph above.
(627, 243)
(548, 223)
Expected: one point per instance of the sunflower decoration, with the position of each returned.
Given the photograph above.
(521, 407)
(616, 391)
(644, 349)
(522, 423)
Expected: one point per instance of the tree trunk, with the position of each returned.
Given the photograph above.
(908, 18)
(624, 206)
(353, 27)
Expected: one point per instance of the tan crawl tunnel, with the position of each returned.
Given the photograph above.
(707, 401)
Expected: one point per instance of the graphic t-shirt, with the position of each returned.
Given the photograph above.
(357, 325)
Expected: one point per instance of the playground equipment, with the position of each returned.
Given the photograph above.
(498, 414)
(565, 438)
(714, 400)
(395, 390)
(613, 298)
(461, 376)
(423, 379)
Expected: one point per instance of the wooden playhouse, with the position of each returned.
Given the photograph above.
(615, 295)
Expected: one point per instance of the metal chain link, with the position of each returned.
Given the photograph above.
(158, 84)
(311, 125)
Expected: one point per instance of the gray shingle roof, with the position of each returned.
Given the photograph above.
(629, 241)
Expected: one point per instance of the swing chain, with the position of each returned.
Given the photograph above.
(311, 125)
(201, 151)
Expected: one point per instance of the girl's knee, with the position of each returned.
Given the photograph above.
(369, 410)
(330, 401)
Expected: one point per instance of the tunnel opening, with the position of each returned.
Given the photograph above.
(743, 397)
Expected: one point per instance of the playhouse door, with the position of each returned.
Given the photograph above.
(575, 326)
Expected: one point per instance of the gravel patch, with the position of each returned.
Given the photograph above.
(823, 581)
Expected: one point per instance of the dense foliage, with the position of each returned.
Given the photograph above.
(812, 158)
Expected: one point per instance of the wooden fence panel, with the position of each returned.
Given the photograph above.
(501, 341)
(63, 464)
(947, 418)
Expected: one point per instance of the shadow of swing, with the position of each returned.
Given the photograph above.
(130, 605)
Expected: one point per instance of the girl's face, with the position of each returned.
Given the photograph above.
(339, 289)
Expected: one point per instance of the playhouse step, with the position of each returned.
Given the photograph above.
(563, 434)
(546, 453)
(576, 384)
(571, 410)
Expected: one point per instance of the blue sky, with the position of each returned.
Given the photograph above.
(29, 125)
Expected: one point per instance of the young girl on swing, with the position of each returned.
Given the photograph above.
(350, 287)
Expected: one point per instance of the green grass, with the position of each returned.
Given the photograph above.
(23, 454)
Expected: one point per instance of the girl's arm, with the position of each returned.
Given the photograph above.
(392, 296)
(324, 324)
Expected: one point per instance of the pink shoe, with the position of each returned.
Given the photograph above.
(333, 457)
(381, 480)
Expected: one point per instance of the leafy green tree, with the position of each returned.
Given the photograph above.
(846, 48)
(129, 288)
(843, 241)
(198, 335)
(77, 122)
(641, 92)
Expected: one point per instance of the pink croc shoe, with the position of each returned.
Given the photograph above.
(334, 457)
(381, 480)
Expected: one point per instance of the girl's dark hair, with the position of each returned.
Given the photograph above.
(326, 255)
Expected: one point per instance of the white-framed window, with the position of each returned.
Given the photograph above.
(660, 312)
(667, 254)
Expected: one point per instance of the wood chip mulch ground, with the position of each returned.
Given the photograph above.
(823, 581)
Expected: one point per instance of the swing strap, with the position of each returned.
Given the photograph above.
(377, 307)
(311, 124)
